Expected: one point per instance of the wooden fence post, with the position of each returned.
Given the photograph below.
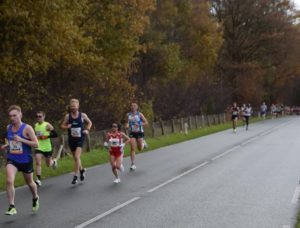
(190, 122)
(181, 125)
(153, 129)
(173, 126)
(88, 143)
(162, 127)
(196, 121)
(202, 121)
(208, 122)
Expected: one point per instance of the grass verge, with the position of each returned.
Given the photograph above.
(100, 155)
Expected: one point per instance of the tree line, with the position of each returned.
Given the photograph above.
(175, 58)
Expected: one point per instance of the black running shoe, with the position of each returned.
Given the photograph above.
(82, 174)
(74, 181)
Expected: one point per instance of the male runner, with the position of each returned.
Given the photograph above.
(234, 115)
(44, 131)
(74, 122)
(135, 123)
(20, 138)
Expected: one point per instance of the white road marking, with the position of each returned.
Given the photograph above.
(107, 213)
(177, 177)
(223, 154)
(296, 195)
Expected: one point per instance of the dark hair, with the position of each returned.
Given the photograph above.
(119, 126)
(41, 112)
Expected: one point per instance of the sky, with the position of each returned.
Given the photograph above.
(297, 4)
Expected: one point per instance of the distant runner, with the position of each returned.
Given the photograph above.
(135, 123)
(44, 131)
(74, 123)
(247, 114)
(114, 144)
(263, 110)
(234, 115)
(20, 138)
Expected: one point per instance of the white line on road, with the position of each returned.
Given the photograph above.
(223, 154)
(296, 195)
(107, 213)
(177, 177)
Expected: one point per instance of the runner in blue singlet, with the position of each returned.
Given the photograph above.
(20, 138)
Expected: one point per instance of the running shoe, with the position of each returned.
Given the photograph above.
(132, 167)
(106, 145)
(116, 181)
(74, 181)
(234, 130)
(35, 205)
(145, 144)
(38, 182)
(11, 211)
(54, 164)
(122, 168)
(82, 174)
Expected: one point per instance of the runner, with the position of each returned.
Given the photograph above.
(20, 138)
(247, 114)
(243, 109)
(74, 123)
(114, 143)
(135, 123)
(44, 131)
(234, 115)
(263, 110)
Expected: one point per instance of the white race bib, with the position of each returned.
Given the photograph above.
(76, 132)
(15, 147)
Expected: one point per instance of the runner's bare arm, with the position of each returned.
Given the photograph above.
(126, 137)
(65, 124)
(28, 133)
(88, 121)
(49, 127)
(145, 121)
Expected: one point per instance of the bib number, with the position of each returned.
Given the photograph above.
(15, 147)
(76, 132)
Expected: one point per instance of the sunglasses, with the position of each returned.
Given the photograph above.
(37, 116)
(114, 126)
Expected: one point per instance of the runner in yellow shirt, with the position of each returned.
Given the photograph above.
(44, 131)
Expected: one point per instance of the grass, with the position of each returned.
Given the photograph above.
(100, 155)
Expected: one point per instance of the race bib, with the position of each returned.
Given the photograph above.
(135, 128)
(38, 133)
(76, 132)
(15, 147)
(234, 113)
(114, 142)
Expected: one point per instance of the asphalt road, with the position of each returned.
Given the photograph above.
(248, 179)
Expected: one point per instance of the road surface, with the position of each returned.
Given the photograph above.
(248, 179)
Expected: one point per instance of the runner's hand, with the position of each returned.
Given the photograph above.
(86, 132)
(17, 138)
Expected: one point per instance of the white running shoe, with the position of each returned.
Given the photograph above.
(116, 181)
(145, 144)
(122, 168)
(132, 167)
(105, 145)
(54, 164)
(38, 182)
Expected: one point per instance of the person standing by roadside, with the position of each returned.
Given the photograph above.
(74, 122)
(135, 123)
(44, 131)
(20, 138)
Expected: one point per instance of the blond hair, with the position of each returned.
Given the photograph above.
(14, 107)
